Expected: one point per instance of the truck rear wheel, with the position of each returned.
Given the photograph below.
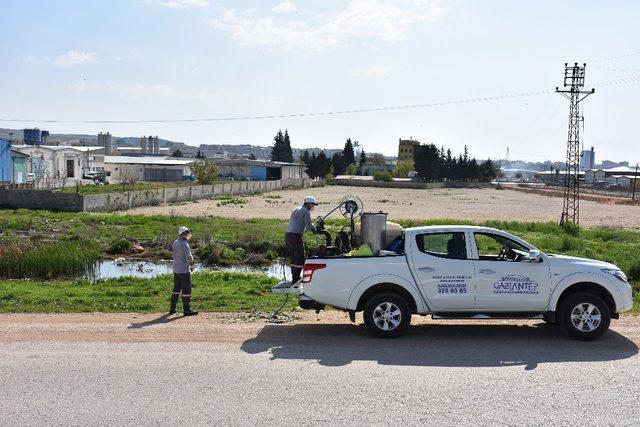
(387, 315)
(585, 316)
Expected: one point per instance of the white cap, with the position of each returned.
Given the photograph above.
(182, 230)
(310, 199)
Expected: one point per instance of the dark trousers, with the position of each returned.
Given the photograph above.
(181, 284)
(295, 249)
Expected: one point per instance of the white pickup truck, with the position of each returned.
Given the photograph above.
(468, 272)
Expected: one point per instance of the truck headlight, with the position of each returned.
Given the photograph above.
(618, 274)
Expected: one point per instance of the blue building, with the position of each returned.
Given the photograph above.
(6, 168)
(32, 136)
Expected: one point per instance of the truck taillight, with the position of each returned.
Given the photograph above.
(307, 273)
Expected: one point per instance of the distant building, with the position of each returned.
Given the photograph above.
(32, 136)
(105, 140)
(147, 168)
(149, 145)
(259, 170)
(62, 163)
(610, 177)
(406, 148)
(587, 159)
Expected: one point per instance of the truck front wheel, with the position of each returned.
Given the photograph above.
(387, 315)
(585, 316)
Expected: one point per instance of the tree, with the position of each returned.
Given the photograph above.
(177, 153)
(383, 176)
(287, 147)
(352, 169)
(200, 155)
(347, 153)
(362, 162)
(281, 150)
(427, 162)
(339, 164)
(403, 168)
(252, 156)
(376, 160)
(322, 165)
(306, 158)
(205, 172)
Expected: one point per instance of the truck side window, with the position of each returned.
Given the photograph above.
(444, 245)
(493, 247)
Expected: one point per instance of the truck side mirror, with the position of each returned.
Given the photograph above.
(534, 255)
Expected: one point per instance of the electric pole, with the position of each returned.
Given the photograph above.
(573, 84)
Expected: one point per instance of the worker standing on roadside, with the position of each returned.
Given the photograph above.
(182, 263)
(299, 222)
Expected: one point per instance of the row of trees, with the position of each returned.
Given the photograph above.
(341, 163)
(432, 164)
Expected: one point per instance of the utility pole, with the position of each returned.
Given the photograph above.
(635, 180)
(573, 84)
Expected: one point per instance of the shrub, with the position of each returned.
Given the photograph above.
(120, 246)
(383, 176)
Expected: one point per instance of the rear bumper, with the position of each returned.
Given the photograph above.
(309, 304)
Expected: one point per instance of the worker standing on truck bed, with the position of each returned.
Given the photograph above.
(182, 262)
(299, 222)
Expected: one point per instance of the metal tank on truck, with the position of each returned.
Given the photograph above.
(374, 230)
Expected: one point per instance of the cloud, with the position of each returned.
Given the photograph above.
(371, 72)
(287, 6)
(367, 20)
(73, 58)
(185, 4)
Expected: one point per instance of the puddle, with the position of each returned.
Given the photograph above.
(109, 269)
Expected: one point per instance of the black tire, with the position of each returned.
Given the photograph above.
(374, 315)
(589, 328)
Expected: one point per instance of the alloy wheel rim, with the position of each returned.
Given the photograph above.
(586, 317)
(387, 316)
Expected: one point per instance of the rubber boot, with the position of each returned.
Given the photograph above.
(174, 303)
(186, 304)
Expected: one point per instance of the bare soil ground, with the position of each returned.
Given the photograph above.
(230, 328)
(463, 204)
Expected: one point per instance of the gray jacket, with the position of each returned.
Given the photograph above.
(300, 221)
(182, 257)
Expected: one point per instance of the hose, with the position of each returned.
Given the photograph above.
(278, 316)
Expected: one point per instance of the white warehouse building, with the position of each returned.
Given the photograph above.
(147, 168)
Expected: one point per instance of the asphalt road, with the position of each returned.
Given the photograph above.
(150, 371)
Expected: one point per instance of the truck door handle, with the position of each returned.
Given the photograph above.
(486, 271)
(427, 269)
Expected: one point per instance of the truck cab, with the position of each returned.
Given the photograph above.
(468, 272)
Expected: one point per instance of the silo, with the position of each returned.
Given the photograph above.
(32, 136)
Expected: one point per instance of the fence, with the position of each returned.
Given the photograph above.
(43, 199)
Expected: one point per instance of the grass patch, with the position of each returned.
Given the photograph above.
(121, 188)
(47, 260)
(213, 291)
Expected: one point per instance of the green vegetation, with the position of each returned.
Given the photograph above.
(126, 186)
(213, 291)
(120, 246)
(383, 176)
(66, 242)
(205, 172)
(229, 200)
(46, 260)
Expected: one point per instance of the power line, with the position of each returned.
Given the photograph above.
(624, 80)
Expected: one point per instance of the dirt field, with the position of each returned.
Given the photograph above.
(466, 204)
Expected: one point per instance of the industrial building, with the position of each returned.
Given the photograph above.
(34, 136)
(59, 162)
(406, 148)
(147, 168)
(587, 159)
(105, 140)
(621, 176)
(259, 170)
(149, 145)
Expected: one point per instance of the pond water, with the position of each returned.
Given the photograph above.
(109, 269)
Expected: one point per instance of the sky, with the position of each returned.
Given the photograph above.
(210, 59)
